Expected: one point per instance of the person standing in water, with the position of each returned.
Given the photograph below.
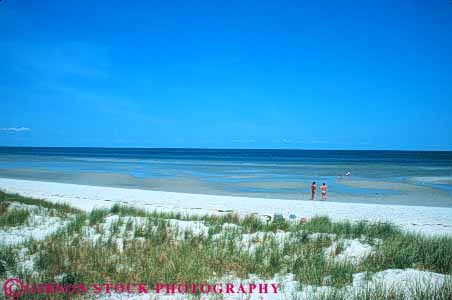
(313, 190)
(323, 188)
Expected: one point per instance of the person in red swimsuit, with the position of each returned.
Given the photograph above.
(313, 190)
(323, 188)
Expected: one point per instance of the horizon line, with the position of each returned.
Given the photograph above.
(207, 148)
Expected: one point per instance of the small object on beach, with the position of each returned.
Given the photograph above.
(225, 210)
(348, 174)
(292, 216)
(304, 220)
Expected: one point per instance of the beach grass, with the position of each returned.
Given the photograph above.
(63, 208)
(414, 291)
(7, 259)
(402, 250)
(351, 230)
(127, 244)
(14, 217)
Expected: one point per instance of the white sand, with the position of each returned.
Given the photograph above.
(354, 251)
(423, 219)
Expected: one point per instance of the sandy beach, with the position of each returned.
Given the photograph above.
(423, 219)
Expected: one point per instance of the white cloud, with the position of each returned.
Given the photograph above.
(15, 129)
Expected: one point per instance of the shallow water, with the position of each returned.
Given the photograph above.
(266, 173)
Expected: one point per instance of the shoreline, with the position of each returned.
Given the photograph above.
(347, 190)
(422, 219)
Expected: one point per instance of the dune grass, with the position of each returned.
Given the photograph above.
(7, 260)
(62, 208)
(415, 291)
(14, 217)
(141, 246)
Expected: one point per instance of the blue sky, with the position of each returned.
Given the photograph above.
(227, 74)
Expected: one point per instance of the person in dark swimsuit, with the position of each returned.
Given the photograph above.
(313, 190)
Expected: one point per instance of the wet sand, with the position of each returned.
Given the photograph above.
(346, 190)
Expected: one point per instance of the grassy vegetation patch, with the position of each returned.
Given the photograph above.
(402, 250)
(126, 244)
(60, 207)
(14, 217)
(351, 230)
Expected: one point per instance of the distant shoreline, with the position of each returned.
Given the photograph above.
(227, 149)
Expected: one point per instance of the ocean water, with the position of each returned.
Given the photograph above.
(266, 173)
